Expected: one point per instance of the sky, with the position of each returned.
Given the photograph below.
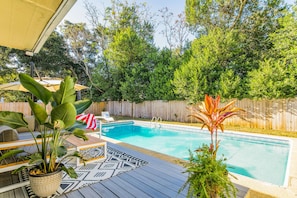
(77, 13)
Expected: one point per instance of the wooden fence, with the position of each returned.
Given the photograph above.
(263, 114)
(24, 107)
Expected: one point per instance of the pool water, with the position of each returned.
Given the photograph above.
(259, 158)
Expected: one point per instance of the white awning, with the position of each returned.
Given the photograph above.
(26, 24)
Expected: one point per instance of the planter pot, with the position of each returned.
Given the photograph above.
(46, 184)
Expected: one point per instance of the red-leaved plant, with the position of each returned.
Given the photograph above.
(212, 116)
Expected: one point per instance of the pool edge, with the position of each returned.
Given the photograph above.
(257, 188)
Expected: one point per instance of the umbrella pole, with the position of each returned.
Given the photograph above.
(32, 66)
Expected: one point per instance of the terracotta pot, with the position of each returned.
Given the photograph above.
(46, 184)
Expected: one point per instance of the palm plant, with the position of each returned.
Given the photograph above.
(207, 175)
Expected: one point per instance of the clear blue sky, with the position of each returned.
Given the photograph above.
(78, 13)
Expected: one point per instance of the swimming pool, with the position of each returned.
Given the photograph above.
(264, 159)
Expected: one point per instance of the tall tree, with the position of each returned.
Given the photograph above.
(9, 73)
(176, 30)
(276, 76)
(206, 15)
(51, 61)
(131, 56)
(135, 16)
(160, 86)
(82, 48)
(125, 38)
(211, 56)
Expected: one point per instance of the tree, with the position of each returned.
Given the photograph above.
(160, 86)
(131, 57)
(51, 61)
(274, 79)
(284, 39)
(135, 16)
(211, 56)
(8, 73)
(206, 15)
(276, 76)
(230, 85)
(82, 48)
(176, 31)
(124, 36)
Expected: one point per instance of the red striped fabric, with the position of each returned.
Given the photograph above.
(89, 119)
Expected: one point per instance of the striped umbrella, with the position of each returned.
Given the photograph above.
(89, 119)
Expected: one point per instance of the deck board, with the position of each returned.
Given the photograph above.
(88, 192)
(102, 191)
(165, 181)
(123, 184)
(158, 179)
(143, 186)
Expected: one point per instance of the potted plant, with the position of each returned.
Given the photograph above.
(56, 119)
(207, 175)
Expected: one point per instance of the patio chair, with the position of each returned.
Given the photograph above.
(8, 134)
(10, 139)
(105, 116)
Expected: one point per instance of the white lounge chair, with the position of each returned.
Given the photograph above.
(105, 116)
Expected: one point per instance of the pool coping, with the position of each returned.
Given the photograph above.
(257, 188)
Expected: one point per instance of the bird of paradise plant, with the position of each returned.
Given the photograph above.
(212, 116)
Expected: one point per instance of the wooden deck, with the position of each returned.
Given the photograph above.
(156, 179)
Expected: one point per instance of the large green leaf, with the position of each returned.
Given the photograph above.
(70, 171)
(66, 93)
(10, 153)
(38, 111)
(36, 158)
(82, 105)
(61, 151)
(38, 90)
(12, 119)
(77, 125)
(80, 133)
(65, 112)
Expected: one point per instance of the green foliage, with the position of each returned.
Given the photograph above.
(9, 73)
(212, 55)
(36, 89)
(284, 39)
(12, 120)
(130, 54)
(160, 86)
(274, 79)
(51, 61)
(230, 85)
(122, 15)
(118, 60)
(212, 14)
(276, 76)
(207, 176)
(246, 15)
(54, 126)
